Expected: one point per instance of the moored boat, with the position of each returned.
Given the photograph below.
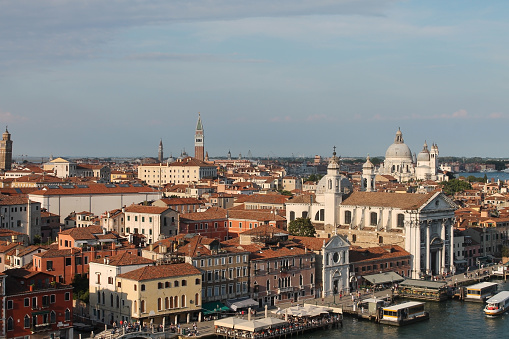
(481, 291)
(497, 304)
(404, 314)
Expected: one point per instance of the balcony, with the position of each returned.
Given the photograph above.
(41, 327)
(284, 289)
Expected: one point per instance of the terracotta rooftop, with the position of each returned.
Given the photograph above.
(410, 201)
(161, 272)
(124, 259)
(358, 254)
(212, 213)
(262, 199)
(93, 189)
(146, 209)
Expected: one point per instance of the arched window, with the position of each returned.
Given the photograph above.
(104, 299)
(67, 315)
(401, 220)
(118, 302)
(354, 237)
(159, 304)
(171, 302)
(380, 240)
(183, 301)
(301, 280)
(373, 219)
(312, 278)
(268, 285)
(304, 214)
(166, 303)
(317, 216)
(53, 317)
(135, 308)
(111, 299)
(292, 216)
(142, 304)
(176, 301)
(322, 214)
(348, 217)
(27, 321)
(10, 324)
(197, 299)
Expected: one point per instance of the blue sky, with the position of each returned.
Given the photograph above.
(277, 77)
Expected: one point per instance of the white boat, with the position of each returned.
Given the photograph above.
(481, 291)
(497, 304)
(403, 314)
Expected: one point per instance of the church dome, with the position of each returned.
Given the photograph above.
(424, 154)
(398, 150)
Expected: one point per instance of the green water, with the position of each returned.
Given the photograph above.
(449, 319)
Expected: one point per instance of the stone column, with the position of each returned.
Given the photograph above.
(417, 248)
(444, 252)
(428, 252)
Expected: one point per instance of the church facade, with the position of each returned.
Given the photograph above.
(420, 223)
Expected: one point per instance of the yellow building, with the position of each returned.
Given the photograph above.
(172, 292)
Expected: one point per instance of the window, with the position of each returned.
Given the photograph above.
(67, 261)
(67, 315)
(176, 283)
(110, 280)
(27, 302)
(401, 220)
(197, 281)
(53, 317)
(348, 217)
(184, 282)
(10, 324)
(160, 285)
(49, 265)
(142, 306)
(373, 219)
(9, 304)
(67, 296)
(53, 298)
(167, 284)
(142, 287)
(27, 321)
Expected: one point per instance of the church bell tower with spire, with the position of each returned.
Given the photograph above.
(199, 149)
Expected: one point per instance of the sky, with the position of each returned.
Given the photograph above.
(274, 77)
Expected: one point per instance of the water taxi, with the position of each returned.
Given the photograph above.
(497, 304)
(481, 291)
(403, 314)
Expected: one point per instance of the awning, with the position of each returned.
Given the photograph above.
(383, 278)
(236, 304)
(214, 307)
(434, 285)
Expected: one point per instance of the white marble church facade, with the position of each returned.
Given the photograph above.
(420, 223)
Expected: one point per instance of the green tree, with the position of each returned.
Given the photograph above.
(80, 287)
(302, 227)
(455, 185)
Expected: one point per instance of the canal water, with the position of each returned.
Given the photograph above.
(448, 319)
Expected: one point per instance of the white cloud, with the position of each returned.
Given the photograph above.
(8, 117)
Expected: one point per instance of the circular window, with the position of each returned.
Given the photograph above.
(335, 257)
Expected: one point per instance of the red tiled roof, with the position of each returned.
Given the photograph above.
(146, 209)
(358, 254)
(125, 259)
(407, 201)
(161, 272)
(212, 213)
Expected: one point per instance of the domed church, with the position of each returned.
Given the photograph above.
(404, 166)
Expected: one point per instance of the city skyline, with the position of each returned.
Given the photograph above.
(112, 79)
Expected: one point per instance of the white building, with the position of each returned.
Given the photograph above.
(22, 215)
(154, 222)
(182, 171)
(107, 302)
(421, 223)
(94, 198)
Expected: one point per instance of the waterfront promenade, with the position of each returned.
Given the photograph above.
(346, 302)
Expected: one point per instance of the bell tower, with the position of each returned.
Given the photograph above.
(199, 149)
(6, 151)
(368, 176)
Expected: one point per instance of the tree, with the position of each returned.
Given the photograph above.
(455, 185)
(302, 227)
(80, 287)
